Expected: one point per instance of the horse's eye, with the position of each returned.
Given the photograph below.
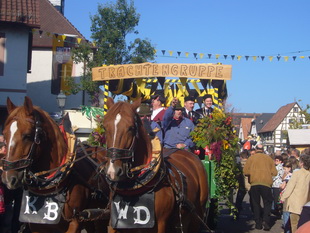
(131, 128)
(27, 137)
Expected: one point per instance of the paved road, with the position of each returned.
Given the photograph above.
(245, 224)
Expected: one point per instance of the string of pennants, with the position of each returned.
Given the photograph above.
(61, 37)
(178, 54)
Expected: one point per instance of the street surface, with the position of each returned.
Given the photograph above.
(245, 224)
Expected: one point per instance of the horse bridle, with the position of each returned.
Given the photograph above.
(26, 162)
(126, 155)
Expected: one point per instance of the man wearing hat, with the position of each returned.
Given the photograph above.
(188, 110)
(158, 110)
(152, 128)
(207, 109)
(177, 128)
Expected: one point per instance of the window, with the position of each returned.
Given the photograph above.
(2, 52)
(295, 109)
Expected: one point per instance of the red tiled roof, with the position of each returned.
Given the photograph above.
(277, 118)
(20, 11)
(246, 126)
(53, 22)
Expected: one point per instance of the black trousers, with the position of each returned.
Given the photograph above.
(256, 193)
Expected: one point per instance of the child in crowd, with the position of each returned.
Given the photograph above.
(277, 181)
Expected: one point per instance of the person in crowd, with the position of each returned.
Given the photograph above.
(287, 166)
(152, 128)
(207, 109)
(304, 215)
(1, 138)
(188, 110)
(244, 185)
(260, 168)
(305, 228)
(295, 153)
(252, 152)
(285, 157)
(177, 128)
(2, 149)
(158, 110)
(296, 194)
(295, 164)
(277, 181)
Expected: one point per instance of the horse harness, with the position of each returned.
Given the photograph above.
(58, 179)
(26, 162)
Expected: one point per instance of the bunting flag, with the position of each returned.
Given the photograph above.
(217, 56)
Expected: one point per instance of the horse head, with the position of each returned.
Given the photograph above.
(127, 143)
(28, 132)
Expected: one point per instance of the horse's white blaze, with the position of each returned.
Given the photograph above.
(13, 130)
(111, 168)
(116, 121)
(111, 171)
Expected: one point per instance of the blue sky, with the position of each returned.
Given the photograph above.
(239, 27)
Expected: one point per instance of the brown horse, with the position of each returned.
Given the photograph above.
(41, 159)
(178, 181)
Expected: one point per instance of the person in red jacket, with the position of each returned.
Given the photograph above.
(158, 110)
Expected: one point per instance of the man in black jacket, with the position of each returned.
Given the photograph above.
(207, 109)
(188, 110)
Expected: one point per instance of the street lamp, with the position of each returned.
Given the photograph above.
(61, 101)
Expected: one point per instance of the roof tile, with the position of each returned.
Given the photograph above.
(53, 22)
(20, 11)
(277, 118)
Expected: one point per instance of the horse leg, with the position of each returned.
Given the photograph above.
(74, 227)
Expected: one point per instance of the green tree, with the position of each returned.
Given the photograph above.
(110, 29)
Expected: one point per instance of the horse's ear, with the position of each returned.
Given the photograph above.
(28, 105)
(110, 102)
(9, 105)
(136, 104)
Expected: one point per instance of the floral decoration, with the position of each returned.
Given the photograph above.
(216, 135)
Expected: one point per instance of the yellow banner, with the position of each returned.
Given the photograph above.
(143, 70)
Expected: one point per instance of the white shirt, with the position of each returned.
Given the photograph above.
(155, 112)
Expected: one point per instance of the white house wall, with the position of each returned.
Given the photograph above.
(39, 83)
(284, 125)
(13, 83)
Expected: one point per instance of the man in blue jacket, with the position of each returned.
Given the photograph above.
(177, 128)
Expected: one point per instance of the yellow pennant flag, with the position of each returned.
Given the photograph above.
(78, 40)
(302, 57)
(170, 52)
(180, 92)
(270, 58)
(239, 57)
(155, 51)
(217, 56)
(63, 37)
(186, 54)
(166, 88)
(201, 55)
(286, 58)
(48, 34)
(254, 58)
(197, 88)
